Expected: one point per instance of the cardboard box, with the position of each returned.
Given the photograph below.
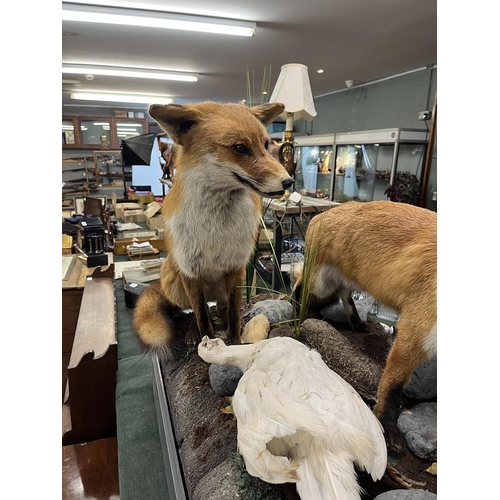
(138, 233)
(152, 212)
(141, 196)
(133, 215)
(121, 208)
(121, 244)
(160, 232)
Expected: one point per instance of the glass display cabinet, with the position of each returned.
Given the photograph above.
(313, 165)
(365, 166)
(379, 165)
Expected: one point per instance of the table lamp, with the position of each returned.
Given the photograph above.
(293, 89)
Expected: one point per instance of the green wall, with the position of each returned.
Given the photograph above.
(395, 102)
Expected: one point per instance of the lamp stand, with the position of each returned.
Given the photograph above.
(287, 149)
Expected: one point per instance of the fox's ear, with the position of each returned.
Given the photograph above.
(267, 113)
(175, 119)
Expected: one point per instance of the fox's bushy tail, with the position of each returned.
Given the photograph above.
(154, 328)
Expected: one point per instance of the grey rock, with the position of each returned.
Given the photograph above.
(224, 379)
(406, 495)
(423, 383)
(274, 310)
(419, 427)
(336, 314)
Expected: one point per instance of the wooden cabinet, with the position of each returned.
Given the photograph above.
(92, 132)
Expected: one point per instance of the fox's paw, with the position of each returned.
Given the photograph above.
(394, 439)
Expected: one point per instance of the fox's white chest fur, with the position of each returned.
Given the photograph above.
(214, 230)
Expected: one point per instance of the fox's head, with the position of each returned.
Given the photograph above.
(228, 141)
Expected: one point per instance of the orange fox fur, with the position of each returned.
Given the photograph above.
(388, 250)
(211, 216)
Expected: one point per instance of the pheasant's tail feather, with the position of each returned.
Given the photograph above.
(309, 488)
(368, 450)
(324, 476)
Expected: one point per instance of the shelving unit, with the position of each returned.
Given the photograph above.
(108, 168)
(75, 175)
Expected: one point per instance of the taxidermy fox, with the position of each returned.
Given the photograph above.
(168, 152)
(211, 216)
(389, 250)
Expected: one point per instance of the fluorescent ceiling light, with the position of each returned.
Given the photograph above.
(155, 19)
(136, 99)
(153, 74)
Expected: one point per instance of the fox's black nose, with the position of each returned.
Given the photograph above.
(287, 182)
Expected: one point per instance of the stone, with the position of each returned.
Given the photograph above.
(423, 382)
(336, 314)
(256, 329)
(224, 379)
(419, 427)
(275, 310)
(406, 495)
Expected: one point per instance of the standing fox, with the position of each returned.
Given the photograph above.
(211, 216)
(388, 250)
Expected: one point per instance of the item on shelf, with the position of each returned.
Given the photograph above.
(141, 250)
(67, 265)
(127, 226)
(133, 291)
(152, 264)
(137, 248)
(91, 241)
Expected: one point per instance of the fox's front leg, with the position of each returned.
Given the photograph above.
(233, 284)
(194, 291)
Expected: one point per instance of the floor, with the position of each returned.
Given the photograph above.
(90, 471)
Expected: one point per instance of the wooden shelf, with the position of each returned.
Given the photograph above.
(89, 403)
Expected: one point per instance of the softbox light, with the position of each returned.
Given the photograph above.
(137, 150)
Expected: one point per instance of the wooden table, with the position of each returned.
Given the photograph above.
(308, 207)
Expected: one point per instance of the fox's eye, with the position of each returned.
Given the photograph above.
(266, 145)
(242, 149)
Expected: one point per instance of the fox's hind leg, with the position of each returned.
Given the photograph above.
(406, 354)
(350, 310)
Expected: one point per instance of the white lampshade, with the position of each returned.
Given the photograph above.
(293, 89)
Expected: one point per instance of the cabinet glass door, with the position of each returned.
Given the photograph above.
(362, 172)
(68, 132)
(313, 170)
(126, 129)
(408, 173)
(96, 132)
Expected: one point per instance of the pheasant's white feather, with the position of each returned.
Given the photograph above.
(298, 421)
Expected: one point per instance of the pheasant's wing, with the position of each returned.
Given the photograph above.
(261, 405)
(265, 412)
(348, 417)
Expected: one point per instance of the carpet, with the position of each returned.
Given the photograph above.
(140, 460)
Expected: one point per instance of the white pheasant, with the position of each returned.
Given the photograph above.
(298, 421)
